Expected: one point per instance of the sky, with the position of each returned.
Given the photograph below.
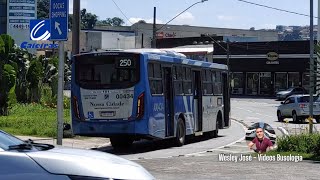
(212, 13)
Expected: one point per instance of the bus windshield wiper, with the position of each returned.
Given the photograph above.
(24, 146)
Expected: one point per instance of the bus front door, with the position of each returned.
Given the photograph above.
(169, 102)
(197, 106)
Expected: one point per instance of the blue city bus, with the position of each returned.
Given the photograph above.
(128, 95)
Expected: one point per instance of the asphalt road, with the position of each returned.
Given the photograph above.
(208, 167)
(164, 149)
(252, 110)
(205, 165)
(199, 158)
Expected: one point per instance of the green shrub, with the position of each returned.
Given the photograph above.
(51, 101)
(12, 97)
(66, 102)
(304, 143)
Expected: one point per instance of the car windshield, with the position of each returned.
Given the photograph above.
(7, 140)
(290, 89)
(305, 99)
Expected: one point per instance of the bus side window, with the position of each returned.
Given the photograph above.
(157, 71)
(187, 82)
(155, 78)
(178, 86)
(150, 69)
(218, 83)
(207, 82)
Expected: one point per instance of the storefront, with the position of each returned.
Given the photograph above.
(265, 68)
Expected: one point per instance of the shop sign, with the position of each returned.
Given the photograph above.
(272, 58)
(161, 35)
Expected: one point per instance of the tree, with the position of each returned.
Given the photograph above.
(142, 21)
(7, 81)
(8, 46)
(115, 21)
(34, 75)
(88, 20)
(295, 35)
(252, 29)
(43, 9)
(22, 58)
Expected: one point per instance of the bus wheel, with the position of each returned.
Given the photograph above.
(180, 134)
(216, 132)
(121, 142)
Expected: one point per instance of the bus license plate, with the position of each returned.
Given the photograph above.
(107, 113)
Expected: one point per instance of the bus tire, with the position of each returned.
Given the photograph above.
(121, 142)
(219, 120)
(216, 132)
(180, 133)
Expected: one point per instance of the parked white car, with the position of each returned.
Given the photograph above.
(297, 108)
(28, 161)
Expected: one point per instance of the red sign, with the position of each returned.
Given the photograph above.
(161, 35)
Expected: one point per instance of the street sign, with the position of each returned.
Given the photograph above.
(59, 20)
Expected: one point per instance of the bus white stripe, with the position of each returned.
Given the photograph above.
(185, 103)
(191, 109)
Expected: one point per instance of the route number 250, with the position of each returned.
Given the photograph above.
(125, 62)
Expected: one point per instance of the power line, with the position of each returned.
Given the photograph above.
(283, 10)
(121, 11)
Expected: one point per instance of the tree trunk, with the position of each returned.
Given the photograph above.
(35, 95)
(5, 111)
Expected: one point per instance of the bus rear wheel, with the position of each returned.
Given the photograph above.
(180, 134)
(214, 133)
(121, 142)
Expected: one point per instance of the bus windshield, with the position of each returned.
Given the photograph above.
(97, 72)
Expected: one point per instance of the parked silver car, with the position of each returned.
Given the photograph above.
(281, 95)
(297, 108)
(28, 160)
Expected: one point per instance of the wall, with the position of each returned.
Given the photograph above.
(118, 40)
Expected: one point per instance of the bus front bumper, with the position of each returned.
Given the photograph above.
(103, 129)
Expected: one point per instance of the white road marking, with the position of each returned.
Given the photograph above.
(241, 139)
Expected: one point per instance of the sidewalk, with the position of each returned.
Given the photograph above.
(76, 142)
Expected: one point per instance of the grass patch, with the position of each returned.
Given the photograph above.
(33, 120)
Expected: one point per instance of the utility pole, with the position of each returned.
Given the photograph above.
(318, 42)
(154, 34)
(312, 69)
(228, 56)
(154, 37)
(228, 77)
(76, 27)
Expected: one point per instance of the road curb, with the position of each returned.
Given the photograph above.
(241, 122)
(220, 147)
(284, 132)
